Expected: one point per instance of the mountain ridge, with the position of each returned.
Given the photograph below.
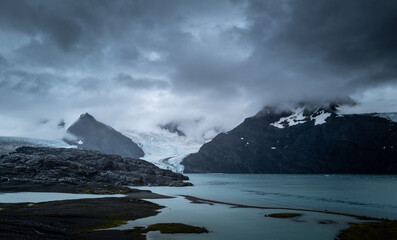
(274, 141)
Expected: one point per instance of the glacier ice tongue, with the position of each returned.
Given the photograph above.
(9, 144)
(164, 149)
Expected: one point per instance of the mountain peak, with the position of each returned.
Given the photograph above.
(87, 116)
(92, 134)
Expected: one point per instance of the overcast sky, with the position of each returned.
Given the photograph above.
(204, 64)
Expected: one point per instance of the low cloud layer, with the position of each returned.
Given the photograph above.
(204, 64)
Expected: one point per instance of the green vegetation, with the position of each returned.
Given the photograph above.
(386, 230)
(107, 224)
(283, 215)
(170, 228)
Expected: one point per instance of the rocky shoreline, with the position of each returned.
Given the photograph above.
(82, 218)
(71, 219)
(78, 170)
(41, 169)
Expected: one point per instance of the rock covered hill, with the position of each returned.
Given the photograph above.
(61, 167)
(88, 133)
(316, 140)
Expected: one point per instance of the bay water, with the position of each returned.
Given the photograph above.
(364, 195)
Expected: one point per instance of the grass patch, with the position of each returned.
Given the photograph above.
(106, 225)
(386, 230)
(284, 215)
(170, 228)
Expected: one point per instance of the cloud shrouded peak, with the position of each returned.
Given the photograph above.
(204, 64)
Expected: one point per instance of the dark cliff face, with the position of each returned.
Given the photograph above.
(94, 135)
(301, 144)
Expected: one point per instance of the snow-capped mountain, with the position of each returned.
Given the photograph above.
(303, 140)
(163, 148)
(9, 144)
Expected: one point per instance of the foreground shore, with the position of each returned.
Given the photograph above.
(82, 218)
(95, 218)
(53, 170)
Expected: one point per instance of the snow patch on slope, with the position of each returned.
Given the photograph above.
(320, 118)
(297, 117)
(164, 149)
(294, 119)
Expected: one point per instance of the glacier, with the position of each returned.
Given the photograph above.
(9, 144)
(163, 148)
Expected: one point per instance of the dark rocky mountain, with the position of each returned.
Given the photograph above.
(78, 167)
(316, 140)
(61, 124)
(94, 135)
(173, 128)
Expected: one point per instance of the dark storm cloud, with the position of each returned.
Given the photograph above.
(353, 40)
(165, 60)
(20, 81)
(42, 17)
(3, 62)
(350, 34)
(135, 82)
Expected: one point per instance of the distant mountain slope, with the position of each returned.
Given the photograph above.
(9, 144)
(94, 135)
(302, 141)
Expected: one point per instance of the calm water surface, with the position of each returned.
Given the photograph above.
(370, 195)
(35, 197)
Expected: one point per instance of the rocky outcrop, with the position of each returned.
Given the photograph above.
(88, 133)
(304, 141)
(173, 128)
(78, 167)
